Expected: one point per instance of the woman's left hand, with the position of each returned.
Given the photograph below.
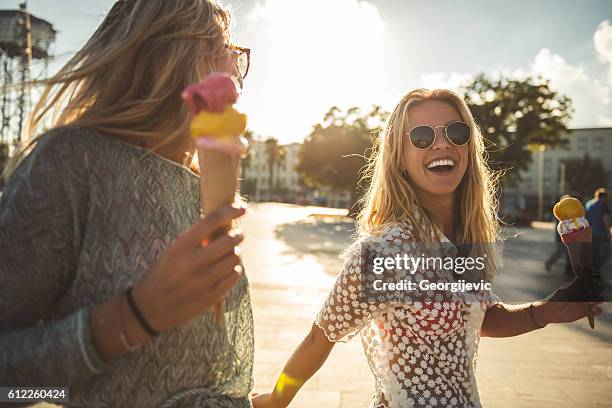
(569, 303)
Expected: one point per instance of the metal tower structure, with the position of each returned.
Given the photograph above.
(24, 38)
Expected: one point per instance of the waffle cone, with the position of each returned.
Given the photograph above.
(218, 179)
(218, 183)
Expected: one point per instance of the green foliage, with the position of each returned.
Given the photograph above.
(515, 115)
(337, 149)
(275, 155)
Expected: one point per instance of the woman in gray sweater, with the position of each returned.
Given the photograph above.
(105, 286)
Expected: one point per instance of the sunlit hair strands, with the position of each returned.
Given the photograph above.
(391, 197)
(127, 79)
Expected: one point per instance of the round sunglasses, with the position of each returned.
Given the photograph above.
(423, 137)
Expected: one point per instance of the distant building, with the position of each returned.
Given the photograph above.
(284, 183)
(596, 142)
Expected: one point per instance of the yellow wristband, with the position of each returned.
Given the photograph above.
(285, 380)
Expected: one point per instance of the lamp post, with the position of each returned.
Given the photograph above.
(255, 166)
(541, 182)
(562, 178)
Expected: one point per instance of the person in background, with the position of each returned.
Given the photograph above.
(598, 215)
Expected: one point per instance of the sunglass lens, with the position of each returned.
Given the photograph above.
(422, 137)
(242, 63)
(458, 133)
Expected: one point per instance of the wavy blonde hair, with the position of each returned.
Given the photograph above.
(392, 197)
(127, 79)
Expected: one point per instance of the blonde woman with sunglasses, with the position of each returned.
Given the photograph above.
(431, 192)
(105, 287)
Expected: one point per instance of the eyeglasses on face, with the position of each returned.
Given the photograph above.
(423, 137)
(242, 58)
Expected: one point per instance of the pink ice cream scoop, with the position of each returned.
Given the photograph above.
(213, 94)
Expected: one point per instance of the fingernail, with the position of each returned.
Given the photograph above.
(237, 250)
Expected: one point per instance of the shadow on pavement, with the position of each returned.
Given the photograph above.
(314, 237)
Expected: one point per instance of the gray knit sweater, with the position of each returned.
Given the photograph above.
(83, 217)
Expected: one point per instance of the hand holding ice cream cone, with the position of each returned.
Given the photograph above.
(217, 128)
(576, 234)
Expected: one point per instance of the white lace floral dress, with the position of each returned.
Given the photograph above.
(422, 351)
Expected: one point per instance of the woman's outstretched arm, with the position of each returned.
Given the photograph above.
(305, 361)
(562, 306)
(344, 314)
(502, 320)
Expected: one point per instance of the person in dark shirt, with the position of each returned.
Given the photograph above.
(598, 215)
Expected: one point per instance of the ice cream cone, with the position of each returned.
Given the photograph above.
(218, 183)
(580, 250)
(217, 127)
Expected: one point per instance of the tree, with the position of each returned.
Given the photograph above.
(247, 184)
(584, 176)
(515, 115)
(336, 150)
(275, 155)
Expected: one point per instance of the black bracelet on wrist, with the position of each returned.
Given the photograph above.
(529, 312)
(143, 322)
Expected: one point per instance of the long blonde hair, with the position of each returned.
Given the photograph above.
(392, 198)
(127, 79)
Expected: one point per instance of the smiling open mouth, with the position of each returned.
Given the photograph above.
(441, 165)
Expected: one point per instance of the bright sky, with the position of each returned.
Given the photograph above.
(310, 55)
